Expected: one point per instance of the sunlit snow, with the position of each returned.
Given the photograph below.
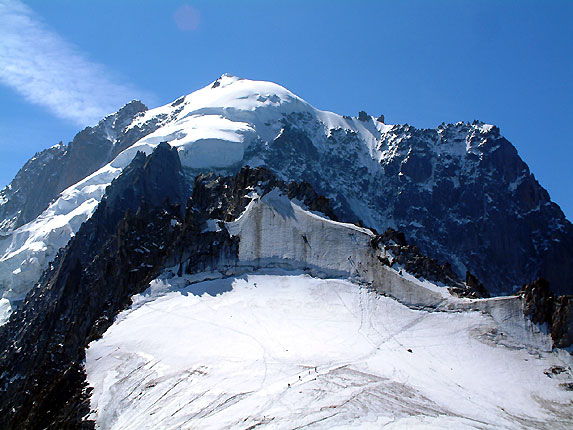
(286, 351)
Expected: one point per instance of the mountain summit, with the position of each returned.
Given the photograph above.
(240, 259)
(460, 192)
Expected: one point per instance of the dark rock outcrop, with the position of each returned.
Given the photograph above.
(562, 322)
(400, 254)
(543, 307)
(235, 190)
(363, 116)
(475, 286)
(538, 301)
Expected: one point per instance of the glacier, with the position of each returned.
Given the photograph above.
(308, 330)
(284, 350)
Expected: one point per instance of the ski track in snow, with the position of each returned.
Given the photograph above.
(287, 351)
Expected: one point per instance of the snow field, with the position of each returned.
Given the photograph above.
(285, 351)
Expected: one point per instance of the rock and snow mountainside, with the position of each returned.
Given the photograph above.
(460, 192)
(304, 323)
(51, 171)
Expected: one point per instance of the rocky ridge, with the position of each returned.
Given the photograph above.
(151, 218)
(51, 171)
(543, 307)
(91, 280)
(460, 192)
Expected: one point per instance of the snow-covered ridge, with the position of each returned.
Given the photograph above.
(211, 129)
(229, 123)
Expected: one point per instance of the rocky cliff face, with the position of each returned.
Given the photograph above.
(32, 190)
(460, 192)
(53, 170)
(543, 307)
(511, 230)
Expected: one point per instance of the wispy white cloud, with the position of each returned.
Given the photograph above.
(48, 71)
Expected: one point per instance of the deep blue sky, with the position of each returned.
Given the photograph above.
(422, 62)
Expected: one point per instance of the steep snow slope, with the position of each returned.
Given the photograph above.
(286, 351)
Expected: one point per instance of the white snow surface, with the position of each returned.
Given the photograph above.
(283, 350)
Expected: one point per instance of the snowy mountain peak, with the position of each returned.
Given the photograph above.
(437, 185)
(213, 126)
(227, 78)
(163, 203)
(239, 93)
